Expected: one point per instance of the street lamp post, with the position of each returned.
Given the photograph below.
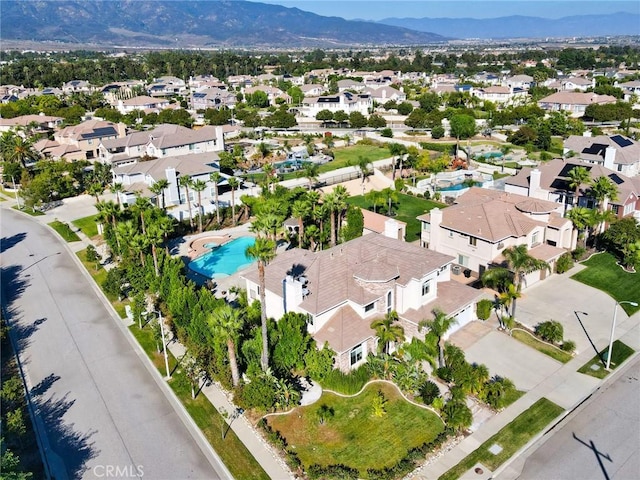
(164, 345)
(613, 327)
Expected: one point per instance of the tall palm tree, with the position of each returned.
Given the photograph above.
(108, 213)
(395, 149)
(330, 202)
(375, 197)
(580, 217)
(520, 263)
(95, 189)
(341, 194)
(158, 188)
(578, 176)
(155, 236)
(263, 251)
(311, 171)
(199, 186)
(507, 300)
(604, 191)
(141, 207)
(225, 321)
(186, 183)
(269, 175)
(117, 188)
(439, 326)
(388, 330)
(215, 178)
(390, 196)
(301, 209)
(234, 183)
(16, 148)
(363, 165)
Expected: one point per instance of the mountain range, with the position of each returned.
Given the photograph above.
(186, 24)
(239, 23)
(614, 24)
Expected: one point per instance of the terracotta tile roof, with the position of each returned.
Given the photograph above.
(375, 221)
(344, 330)
(546, 252)
(193, 164)
(331, 273)
(593, 148)
(577, 98)
(452, 297)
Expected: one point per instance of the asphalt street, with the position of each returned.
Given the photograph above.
(103, 412)
(600, 440)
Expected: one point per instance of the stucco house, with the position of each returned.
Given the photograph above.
(550, 181)
(615, 152)
(482, 223)
(142, 102)
(42, 123)
(87, 136)
(345, 101)
(386, 93)
(212, 98)
(343, 289)
(573, 102)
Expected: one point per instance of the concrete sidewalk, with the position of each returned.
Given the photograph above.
(266, 456)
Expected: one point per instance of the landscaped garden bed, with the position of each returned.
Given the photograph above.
(339, 430)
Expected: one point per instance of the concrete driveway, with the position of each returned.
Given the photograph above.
(559, 298)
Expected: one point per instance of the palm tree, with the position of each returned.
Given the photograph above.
(375, 198)
(580, 217)
(363, 165)
(578, 176)
(390, 196)
(341, 194)
(155, 236)
(17, 149)
(508, 299)
(225, 322)
(387, 331)
(186, 183)
(215, 178)
(263, 251)
(141, 207)
(96, 189)
(439, 326)
(301, 209)
(108, 212)
(199, 186)
(311, 173)
(234, 183)
(330, 202)
(395, 149)
(158, 188)
(117, 188)
(520, 263)
(603, 190)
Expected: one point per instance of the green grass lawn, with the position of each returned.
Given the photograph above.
(232, 451)
(353, 436)
(619, 353)
(88, 225)
(348, 156)
(99, 275)
(65, 231)
(603, 273)
(407, 209)
(511, 438)
(28, 210)
(530, 340)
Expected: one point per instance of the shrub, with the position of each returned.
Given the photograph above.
(437, 132)
(260, 394)
(445, 373)
(387, 133)
(579, 253)
(496, 392)
(457, 415)
(483, 308)
(429, 392)
(568, 346)
(319, 363)
(564, 263)
(551, 331)
(341, 472)
(347, 383)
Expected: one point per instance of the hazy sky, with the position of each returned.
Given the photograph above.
(378, 9)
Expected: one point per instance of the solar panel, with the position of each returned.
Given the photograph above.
(616, 179)
(621, 141)
(100, 132)
(568, 167)
(199, 95)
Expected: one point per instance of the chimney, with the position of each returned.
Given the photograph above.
(534, 183)
(174, 192)
(609, 157)
(391, 228)
(436, 220)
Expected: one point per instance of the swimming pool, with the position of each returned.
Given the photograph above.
(224, 260)
(457, 186)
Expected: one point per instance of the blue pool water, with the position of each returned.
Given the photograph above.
(492, 155)
(457, 186)
(224, 260)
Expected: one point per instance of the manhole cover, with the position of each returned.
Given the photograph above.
(595, 367)
(479, 471)
(495, 449)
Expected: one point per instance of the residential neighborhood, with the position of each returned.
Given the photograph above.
(380, 263)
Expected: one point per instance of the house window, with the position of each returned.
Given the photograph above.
(356, 354)
(450, 233)
(389, 302)
(368, 308)
(463, 260)
(534, 238)
(615, 209)
(426, 287)
(473, 241)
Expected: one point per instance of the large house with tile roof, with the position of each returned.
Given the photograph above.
(343, 289)
(575, 103)
(615, 152)
(482, 223)
(86, 136)
(550, 181)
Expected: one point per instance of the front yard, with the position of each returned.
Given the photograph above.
(353, 435)
(605, 274)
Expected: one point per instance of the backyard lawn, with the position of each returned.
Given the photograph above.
(353, 436)
(511, 438)
(603, 273)
(407, 210)
(348, 156)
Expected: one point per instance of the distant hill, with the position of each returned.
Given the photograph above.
(621, 23)
(187, 24)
